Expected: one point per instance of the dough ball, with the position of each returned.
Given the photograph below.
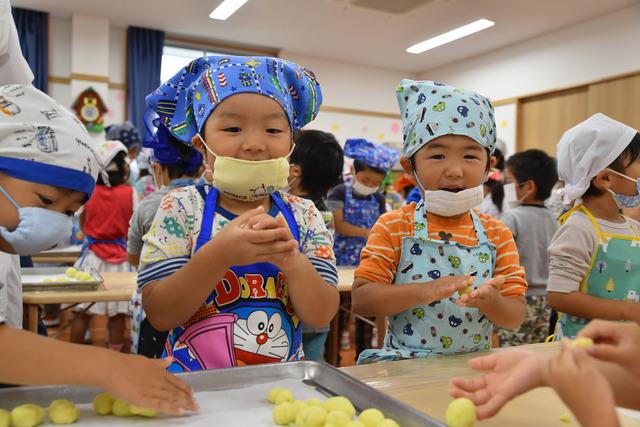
(340, 403)
(71, 272)
(29, 415)
(337, 418)
(371, 417)
(582, 342)
(285, 413)
(121, 408)
(273, 393)
(84, 277)
(48, 280)
(388, 423)
(466, 290)
(354, 424)
(461, 413)
(284, 396)
(61, 279)
(143, 412)
(314, 402)
(103, 403)
(5, 418)
(63, 412)
(311, 416)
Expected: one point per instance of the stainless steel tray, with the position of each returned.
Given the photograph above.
(32, 280)
(325, 378)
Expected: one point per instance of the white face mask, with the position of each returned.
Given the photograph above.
(510, 197)
(447, 203)
(363, 190)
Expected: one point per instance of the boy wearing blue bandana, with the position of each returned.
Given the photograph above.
(48, 169)
(232, 270)
(441, 272)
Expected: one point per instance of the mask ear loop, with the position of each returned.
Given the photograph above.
(9, 197)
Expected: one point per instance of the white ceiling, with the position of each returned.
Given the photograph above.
(338, 30)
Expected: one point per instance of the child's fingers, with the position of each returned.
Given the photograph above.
(484, 363)
(258, 222)
(601, 330)
(491, 407)
(469, 385)
(604, 352)
(495, 282)
(266, 236)
(279, 248)
(242, 219)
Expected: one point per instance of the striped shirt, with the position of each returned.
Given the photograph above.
(380, 258)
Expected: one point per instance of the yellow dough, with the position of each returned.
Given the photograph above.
(354, 424)
(29, 415)
(582, 342)
(5, 418)
(71, 272)
(284, 396)
(273, 393)
(311, 416)
(461, 413)
(371, 417)
(121, 408)
(300, 404)
(143, 412)
(388, 423)
(61, 279)
(340, 403)
(103, 403)
(466, 290)
(314, 402)
(84, 277)
(337, 418)
(565, 418)
(285, 413)
(63, 412)
(48, 280)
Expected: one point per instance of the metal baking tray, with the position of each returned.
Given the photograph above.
(33, 279)
(326, 380)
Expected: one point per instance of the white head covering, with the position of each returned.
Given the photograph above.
(43, 142)
(13, 67)
(106, 152)
(587, 149)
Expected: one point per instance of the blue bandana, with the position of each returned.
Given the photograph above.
(185, 102)
(373, 155)
(432, 109)
(126, 133)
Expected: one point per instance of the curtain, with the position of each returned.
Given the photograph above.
(144, 59)
(33, 33)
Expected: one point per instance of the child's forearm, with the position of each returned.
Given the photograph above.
(350, 230)
(172, 301)
(586, 306)
(377, 299)
(314, 300)
(506, 312)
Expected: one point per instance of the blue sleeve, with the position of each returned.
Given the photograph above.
(414, 196)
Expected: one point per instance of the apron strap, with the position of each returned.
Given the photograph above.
(480, 234)
(420, 217)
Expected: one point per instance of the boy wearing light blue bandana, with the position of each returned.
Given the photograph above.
(48, 168)
(441, 272)
(232, 271)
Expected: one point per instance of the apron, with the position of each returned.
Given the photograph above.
(358, 212)
(441, 327)
(91, 241)
(248, 318)
(614, 272)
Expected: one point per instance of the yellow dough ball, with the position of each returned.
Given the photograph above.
(273, 393)
(5, 418)
(582, 342)
(103, 403)
(314, 402)
(461, 413)
(300, 404)
(371, 417)
(121, 408)
(311, 416)
(466, 290)
(63, 412)
(29, 415)
(388, 423)
(48, 280)
(61, 279)
(337, 418)
(84, 277)
(71, 272)
(285, 413)
(354, 424)
(340, 403)
(330, 425)
(143, 412)
(284, 396)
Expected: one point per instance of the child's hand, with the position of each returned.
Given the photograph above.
(242, 244)
(508, 374)
(265, 222)
(614, 342)
(582, 387)
(145, 382)
(442, 288)
(485, 295)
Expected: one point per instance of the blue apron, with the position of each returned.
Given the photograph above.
(247, 319)
(91, 241)
(441, 327)
(358, 212)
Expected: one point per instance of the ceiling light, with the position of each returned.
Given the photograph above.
(448, 37)
(226, 9)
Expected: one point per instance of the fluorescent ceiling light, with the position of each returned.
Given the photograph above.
(450, 36)
(226, 9)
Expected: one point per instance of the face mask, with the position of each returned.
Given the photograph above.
(510, 197)
(249, 180)
(624, 201)
(363, 190)
(38, 229)
(446, 203)
(287, 188)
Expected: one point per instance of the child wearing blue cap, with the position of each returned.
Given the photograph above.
(232, 271)
(358, 203)
(48, 168)
(441, 272)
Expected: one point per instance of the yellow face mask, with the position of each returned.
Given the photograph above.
(248, 180)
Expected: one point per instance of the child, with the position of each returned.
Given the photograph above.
(129, 135)
(419, 258)
(145, 184)
(174, 165)
(47, 171)
(316, 167)
(530, 176)
(358, 203)
(493, 186)
(590, 386)
(232, 270)
(104, 221)
(593, 265)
